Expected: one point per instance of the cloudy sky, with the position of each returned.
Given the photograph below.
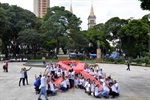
(103, 9)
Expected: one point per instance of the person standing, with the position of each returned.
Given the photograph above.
(22, 77)
(43, 88)
(128, 65)
(26, 75)
(71, 78)
(6, 65)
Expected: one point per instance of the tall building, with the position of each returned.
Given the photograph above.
(91, 18)
(40, 7)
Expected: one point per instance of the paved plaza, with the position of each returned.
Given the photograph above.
(135, 84)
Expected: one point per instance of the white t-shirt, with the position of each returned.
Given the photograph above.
(58, 74)
(113, 87)
(51, 86)
(48, 69)
(22, 74)
(72, 74)
(81, 82)
(64, 83)
(117, 88)
(105, 87)
(96, 91)
(86, 83)
(67, 81)
(91, 72)
(88, 87)
(77, 81)
(43, 82)
(100, 73)
(92, 87)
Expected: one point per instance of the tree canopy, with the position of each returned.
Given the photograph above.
(58, 23)
(134, 38)
(145, 4)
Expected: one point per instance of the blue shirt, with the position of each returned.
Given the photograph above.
(37, 82)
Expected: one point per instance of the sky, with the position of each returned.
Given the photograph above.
(103, 9)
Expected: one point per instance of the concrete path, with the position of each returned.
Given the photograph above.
(135, 84)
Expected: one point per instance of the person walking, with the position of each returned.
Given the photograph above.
(128, 65)
(26, 75)
(43, 87)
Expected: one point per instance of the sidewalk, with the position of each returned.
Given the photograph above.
(135, 84)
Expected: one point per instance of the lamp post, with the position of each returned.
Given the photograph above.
(149, 32)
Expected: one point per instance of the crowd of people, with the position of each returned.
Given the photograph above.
(45, 83)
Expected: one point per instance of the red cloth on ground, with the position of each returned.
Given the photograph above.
(78, 69)
(58, 81)
(64, 65)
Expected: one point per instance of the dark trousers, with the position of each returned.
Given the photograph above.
(37, 89)
(63, 89)
(26, 78)
(71, 81)
(23, 81)
(128, 68)
(114, 94)
(6, 69)
(81, 86)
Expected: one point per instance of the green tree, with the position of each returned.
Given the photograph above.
(58, 23)
(18, 19)
(31, 39)
(113, 25)
(145, 4)
(3, 26)
(94, 35)
(134, 38)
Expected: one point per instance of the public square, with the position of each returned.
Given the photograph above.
(135, 84)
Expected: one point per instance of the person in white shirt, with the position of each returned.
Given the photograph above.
(67, 82)
(71, 78)
(76, 82)
(63, 85)
(91, 71)
(88, 87)
(81, 83)
(114, 89)
(92, 87)
(48, 69)
(106, 89)
(22, 77)
(52, 88)
(43, 88)
(117, 86)
(100, 73)
(59, 73)
(97, 93)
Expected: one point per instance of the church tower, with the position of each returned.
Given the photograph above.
(91, 18)
(71, 10)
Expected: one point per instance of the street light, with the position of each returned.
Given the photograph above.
(149, 32)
